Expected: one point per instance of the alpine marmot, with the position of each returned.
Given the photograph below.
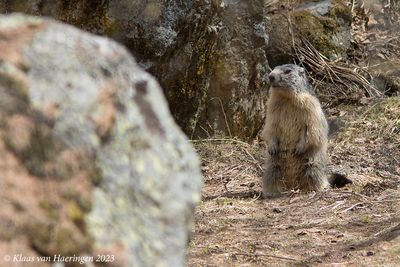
(296, 132)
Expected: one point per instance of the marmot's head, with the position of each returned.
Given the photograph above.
(289, 77)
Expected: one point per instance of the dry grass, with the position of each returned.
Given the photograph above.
(381, 120)
(334, 72)
(226, 161)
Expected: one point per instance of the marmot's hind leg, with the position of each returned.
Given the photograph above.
(314, 178)
(272, 180)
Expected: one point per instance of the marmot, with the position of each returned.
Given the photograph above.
(296, 132)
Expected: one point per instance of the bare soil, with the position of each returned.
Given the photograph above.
(358, 225)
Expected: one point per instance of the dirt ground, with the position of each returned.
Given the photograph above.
(358, 225)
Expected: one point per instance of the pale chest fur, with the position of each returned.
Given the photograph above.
(289, 117)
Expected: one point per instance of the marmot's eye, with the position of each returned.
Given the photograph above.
(287, 71)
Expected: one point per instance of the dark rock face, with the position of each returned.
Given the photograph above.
(148, 28)
(82, 122)
(209, 56)
(214, 77)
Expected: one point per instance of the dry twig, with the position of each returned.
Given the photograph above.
(226, 140)
(352, 207)
(332, 70)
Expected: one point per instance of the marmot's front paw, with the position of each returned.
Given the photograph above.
(273, 149)
(304, 150)
(300, 149)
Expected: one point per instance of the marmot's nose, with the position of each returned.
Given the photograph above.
(272, 78)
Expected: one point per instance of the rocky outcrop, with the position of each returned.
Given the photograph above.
(325, 24)
(215, 73)
(386, 77)
(209, 56)
(97, 155)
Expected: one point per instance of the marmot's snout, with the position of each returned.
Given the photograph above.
(273, 78)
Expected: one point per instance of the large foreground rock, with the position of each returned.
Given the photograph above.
(88, 151)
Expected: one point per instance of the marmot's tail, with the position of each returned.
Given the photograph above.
(338, 180)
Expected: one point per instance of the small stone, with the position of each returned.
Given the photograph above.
(370, 253)
(277, 210)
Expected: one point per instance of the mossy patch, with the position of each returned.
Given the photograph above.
(340, 9)
(317, 30)
(49, 240)
(112, 28)
(75, 213)
(18, 6)
(287, 31)
(74, 196)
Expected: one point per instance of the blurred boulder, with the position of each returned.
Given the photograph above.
(91, 159)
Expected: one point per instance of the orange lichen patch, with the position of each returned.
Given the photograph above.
(20, 130)
(12, 40)
(19, 191)
(51, 111)
(105, 117)
(35, 212)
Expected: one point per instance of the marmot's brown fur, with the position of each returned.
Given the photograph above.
(296, 132)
